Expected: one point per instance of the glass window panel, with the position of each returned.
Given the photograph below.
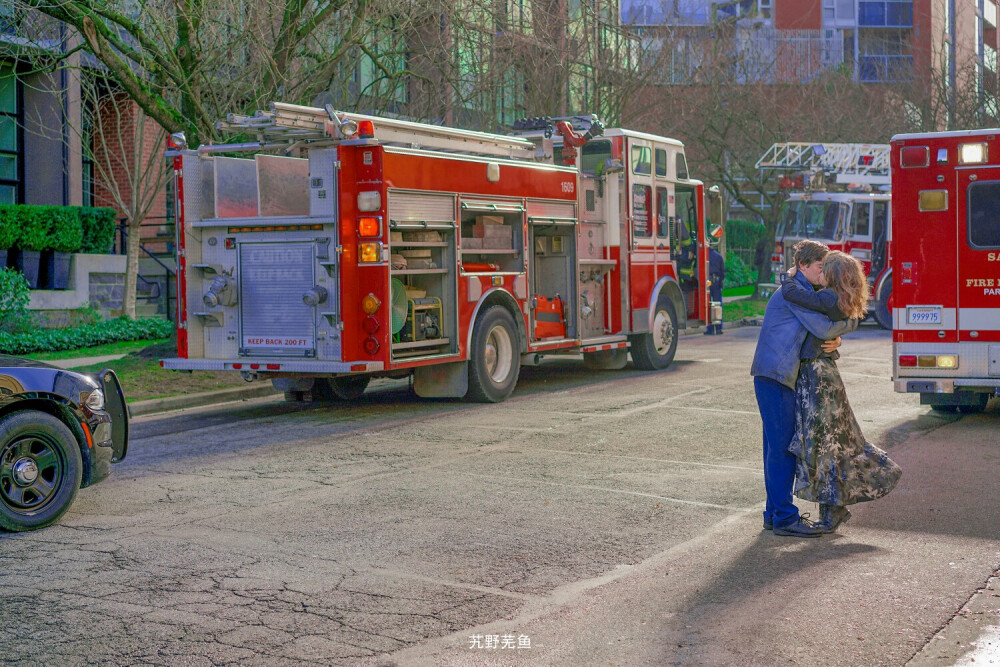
(641, 157)
(8, 92)
(984, 215)
(682, 166)
(861, 224)
(8, 194)
(8, 134)
(662, 228)
(899, 14)
(8, 167)
(661, 162)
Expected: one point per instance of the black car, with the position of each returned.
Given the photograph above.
(59, 431)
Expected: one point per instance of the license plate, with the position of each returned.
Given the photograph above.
(923, 314)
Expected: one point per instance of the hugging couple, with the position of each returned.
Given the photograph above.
(813, 445)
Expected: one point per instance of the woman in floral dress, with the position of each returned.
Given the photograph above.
(835, 465)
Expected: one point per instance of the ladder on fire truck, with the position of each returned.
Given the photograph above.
(288, 124)
(850, 163)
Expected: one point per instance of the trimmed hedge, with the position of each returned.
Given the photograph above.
(743, 234)
(59, 228)
(98, 229)
(738, 272)
(112, 331)
(14, 297)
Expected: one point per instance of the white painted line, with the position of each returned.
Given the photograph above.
(588, 487)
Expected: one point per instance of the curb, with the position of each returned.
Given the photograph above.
(157, 405)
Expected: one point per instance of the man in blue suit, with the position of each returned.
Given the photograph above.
(775, 368)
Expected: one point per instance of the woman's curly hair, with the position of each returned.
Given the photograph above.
(845, 276)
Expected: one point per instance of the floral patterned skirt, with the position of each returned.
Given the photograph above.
(834, 465)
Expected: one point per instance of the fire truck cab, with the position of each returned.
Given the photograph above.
(834, 203)
(946, 256)
(399, 249)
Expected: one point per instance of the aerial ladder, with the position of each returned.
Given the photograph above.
(848, 163)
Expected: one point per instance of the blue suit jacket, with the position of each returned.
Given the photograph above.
(785, 328)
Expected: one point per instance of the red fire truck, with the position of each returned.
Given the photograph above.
(834, 205)
(399, 249)
(946, 256)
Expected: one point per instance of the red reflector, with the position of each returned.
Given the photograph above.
(370, 324)
(369, 227)
(908, 360)
(254, 366)
(371, 346)
(237, 366)
(274, 367)
(914, 156)
(366, 129)
(161, 364)
(359, 367)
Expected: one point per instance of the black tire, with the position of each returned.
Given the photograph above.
(655, 350)
(40, 470)
(882, 313)
(950, 409)
(295, 396)
(343, 388)
(606, 360)
(495, 357)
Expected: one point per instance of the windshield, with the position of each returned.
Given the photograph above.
(812, 219)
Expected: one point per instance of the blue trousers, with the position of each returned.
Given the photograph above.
(776, 403)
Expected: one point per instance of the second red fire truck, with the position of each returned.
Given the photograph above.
(401, 249)
(946, 259)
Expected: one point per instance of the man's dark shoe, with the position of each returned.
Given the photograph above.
(768, 524)
(801, 527)
(831, 516)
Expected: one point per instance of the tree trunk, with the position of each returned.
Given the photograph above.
(131, 267)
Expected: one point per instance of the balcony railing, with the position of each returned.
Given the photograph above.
(885, 69)
(890, 14)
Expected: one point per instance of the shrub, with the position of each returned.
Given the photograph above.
(9, 226)
(738, 272)
(743, 235)
(64, 227)
(98, 229)
(14, 297)
(34, 226)
(112, 331)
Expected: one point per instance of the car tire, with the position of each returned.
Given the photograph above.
(655, 350)
(40, 470)
(495, 358)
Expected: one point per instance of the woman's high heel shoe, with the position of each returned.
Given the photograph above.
(831, 516)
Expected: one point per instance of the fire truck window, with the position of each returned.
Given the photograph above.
(642, 196)
(661, 162)
(861, 224)
(594, 154)
(984, 215)
(682, 166)
(641, 157)
(662, 229)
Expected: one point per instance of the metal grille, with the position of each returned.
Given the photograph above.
(273, 278)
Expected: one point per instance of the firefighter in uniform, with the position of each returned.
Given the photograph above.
(716, 274)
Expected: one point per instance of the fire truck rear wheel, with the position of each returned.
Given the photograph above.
(495, 358)
(295, 396)
(655, 350)
(882, 313)
(343, 388)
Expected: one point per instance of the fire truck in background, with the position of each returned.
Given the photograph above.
(946, 258)
(399, 249)
(836, 206)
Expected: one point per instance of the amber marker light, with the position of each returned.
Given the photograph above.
(933, 200)
(369, 253)
(370, 304)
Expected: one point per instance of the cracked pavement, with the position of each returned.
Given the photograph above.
(387, 531)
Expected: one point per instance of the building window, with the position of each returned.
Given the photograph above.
(11, 149)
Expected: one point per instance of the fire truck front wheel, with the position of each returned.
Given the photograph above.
(655, 350)
(495, 358)
(882, 313)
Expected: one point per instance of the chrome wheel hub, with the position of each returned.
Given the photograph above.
(25, 471)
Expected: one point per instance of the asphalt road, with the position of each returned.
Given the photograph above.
(592, 519)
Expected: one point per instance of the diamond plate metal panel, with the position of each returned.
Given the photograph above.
(273, 278)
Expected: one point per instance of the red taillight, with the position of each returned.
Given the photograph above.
(908, 360)
(274, 367)
(237, 366)
(369, 227)
(254, 367)
(779, 247)
(914, 156)
(371, 346)
(366, 129)
(370, 324)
